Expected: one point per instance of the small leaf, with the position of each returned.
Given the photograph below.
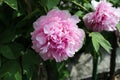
(95, 44)
(118, 27)
(87, 5)
(49, 4)
(79, 13)
(12, 4)
(106, 45)
(52, 3)
(18, 76)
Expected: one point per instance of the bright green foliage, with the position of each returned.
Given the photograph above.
(79, 13)
(98, 40)
(12, 4)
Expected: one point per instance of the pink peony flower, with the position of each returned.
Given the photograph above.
(105, 17)
(56, 35)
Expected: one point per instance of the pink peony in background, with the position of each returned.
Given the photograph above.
(56, 35)
(105, 17)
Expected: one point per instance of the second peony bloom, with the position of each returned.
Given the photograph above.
(56, 35)
(105, 17)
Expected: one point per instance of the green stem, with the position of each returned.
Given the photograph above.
(80, 5)
(28, 6)
(95, 66)
(113, 58)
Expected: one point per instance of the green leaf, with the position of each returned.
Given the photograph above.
(18, 76)
(11, 51)
(95, 44)
(106, 45)
(11, 71)
(88, 6)
(52, 3)
(118, 27)
(66, 74)
(49, 3)
(12, 4)
(79, 13)
(1, 1)
(98, 40)
(7, 52)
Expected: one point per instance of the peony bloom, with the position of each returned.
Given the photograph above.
(105, 17)
(56, 35)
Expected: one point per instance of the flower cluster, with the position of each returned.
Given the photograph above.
(105, 17)
(56, 35)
